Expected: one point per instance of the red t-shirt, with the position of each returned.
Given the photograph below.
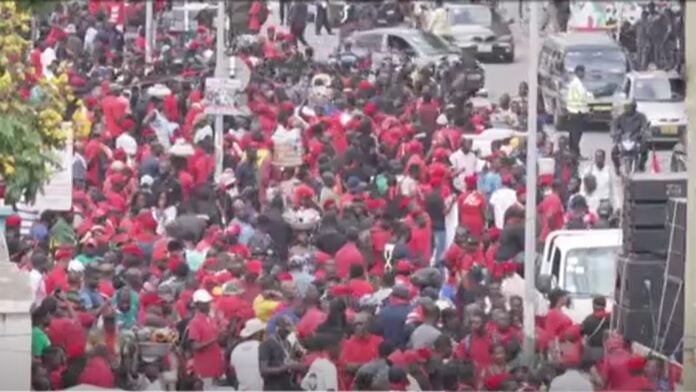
(97, 372)
(358, 350)
(556, 322)
(347, 255)
(360, 287)
(207, 362)
(477, 348)
(68, 334)
(57, 278)
(233, 306)
(551, 211)
(471, 209)
(309, 322)
(114, 110)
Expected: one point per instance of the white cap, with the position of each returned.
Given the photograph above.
(206, 131)
(251, 327)
(75, 266)
(202, 296)
(441, 120)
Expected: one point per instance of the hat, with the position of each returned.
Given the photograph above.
(146, 180)
(233, 229)
(75, 266)
(13, 221)
(201, 134)
(252, 327)
(132, 249)
(62, 253)
(495, 381)
(202, 296)
(636, 362)
(254, 267)
(181, 149)
(521, 190)
(506, 179)
(403, 265)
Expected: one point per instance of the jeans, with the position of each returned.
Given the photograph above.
(439, 239)
(576, 126)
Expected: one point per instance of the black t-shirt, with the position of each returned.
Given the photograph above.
(435, 206)
(273, 353)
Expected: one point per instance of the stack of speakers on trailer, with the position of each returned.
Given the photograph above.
(650, 271)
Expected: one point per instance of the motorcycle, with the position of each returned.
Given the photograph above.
(630, 151)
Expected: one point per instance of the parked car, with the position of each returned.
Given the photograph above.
(659, 95)
(482, 30)
(606, 65)
(421, 48)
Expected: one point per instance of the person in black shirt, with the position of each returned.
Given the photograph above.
(275, 359)
(436, 209)
(594, 326)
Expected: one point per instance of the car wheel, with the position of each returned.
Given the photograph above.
(509, 58)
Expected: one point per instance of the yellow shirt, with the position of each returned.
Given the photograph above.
(264, 308)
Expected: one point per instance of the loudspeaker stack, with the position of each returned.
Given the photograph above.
(650, 270)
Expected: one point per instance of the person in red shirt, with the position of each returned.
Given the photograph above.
(361, 348)
(637, 381)
(472, 207)
(208, 362)
(114, 108)
(475, 346)
(550, 210)
(97, 370)
(428, 111)
(357, 284)
(348, 254)
(556, 321)
(57, 278)
(230, 306)
(614, 366)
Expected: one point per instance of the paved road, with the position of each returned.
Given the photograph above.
(500, 78)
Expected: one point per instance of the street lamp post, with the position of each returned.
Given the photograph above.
(530, 240)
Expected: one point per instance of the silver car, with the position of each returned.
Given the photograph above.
(659, 95)
(422, 48)
(481, 30)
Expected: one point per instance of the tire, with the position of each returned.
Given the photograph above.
(509, 58)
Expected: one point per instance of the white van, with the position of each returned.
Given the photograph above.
(583, 263)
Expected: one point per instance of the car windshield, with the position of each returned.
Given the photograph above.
(430, 44)
(470, 16)
(654, 89)
(602, 61)
(590, 271)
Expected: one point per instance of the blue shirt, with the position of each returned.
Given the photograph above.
(489, 183)
(391, 324)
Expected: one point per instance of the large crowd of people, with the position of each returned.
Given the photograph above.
(386, 258)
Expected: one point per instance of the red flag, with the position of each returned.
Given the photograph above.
(655, 164)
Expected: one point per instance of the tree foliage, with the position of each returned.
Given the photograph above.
(32, 109)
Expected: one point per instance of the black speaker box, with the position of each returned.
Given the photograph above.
(634, 324)
(639, 281)
(645, 214)
(649, 187)
(638, 325)
(641, 240)
(676, 211)
(676, 263)
(673, 302)
(676, 238)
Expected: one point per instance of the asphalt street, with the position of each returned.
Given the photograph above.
(500, 78)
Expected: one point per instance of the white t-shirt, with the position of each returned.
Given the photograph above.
(466, 164)
(571, 380)
(245, 360)
(321, 376)
(501, 200)
(38, 287)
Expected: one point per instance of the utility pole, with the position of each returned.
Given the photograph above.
(530, 238)
(689, 372)
(221, 71)
(149, 30)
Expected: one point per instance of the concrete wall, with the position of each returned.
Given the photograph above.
(15, 351)
(15, 328)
